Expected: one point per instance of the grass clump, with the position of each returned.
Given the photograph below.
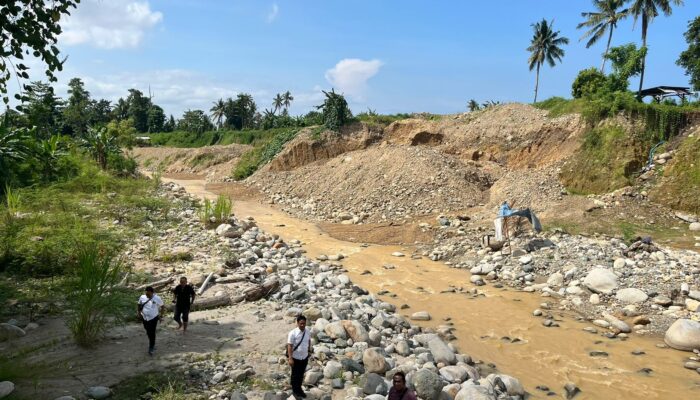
(680, 183)
(96, 302)
(609, 159)
(216, 212)
(558, 106)
(154, 386)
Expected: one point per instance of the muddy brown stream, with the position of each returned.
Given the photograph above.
(543, 356)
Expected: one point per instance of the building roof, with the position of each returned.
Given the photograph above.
(666, 91)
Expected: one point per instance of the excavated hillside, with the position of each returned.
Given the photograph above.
(417, 167)
(212, 162)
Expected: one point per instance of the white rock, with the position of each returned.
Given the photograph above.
(595, 299)
(6, 388)
(397, 254)
(601, 280)
(421, 316)
(695, 226)
(98, 392)
(684, 334)
(631, 296)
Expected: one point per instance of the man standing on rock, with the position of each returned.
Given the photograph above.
(298, 351)
(150, 309)
(184, 297)
(398, 390)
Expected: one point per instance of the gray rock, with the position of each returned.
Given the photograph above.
(9, 331)
(236, 395)
(631, 296)
(98, 392)
(513, 386)
(441, 352)
(351, 365)
(556, 279)
(374, 384)
(402, 348)
(474, 392)
(694, 294)
(420, 316)
(571, 390)
(428, 384)
(63, 398)
(312, 377)
(6, 387)
(375, 397)
(332, 369)
(355, 330)
(617, 324)
(684, 334)
(218, 377)
(601, 280)
(336, 330)
(337, 383)
(454, 373)
(695, 226)
(374, 361)
(239, 375)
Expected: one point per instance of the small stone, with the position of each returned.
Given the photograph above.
(571, 390)
(6, 387)
(421, 316)
(98, 392)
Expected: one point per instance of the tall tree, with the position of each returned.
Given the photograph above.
(138, 109)
(287, 100)
(277, 102)
(30, 26)
(100, 112)
(121, 110)
(76, 112)
(43, 109)
(156, 119)
(608, 13)
(690, 58)
(218, 112)
(648, 10)
(170, 124)
(544, 46)
(195, 121)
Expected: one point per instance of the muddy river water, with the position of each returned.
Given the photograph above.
(486, 325)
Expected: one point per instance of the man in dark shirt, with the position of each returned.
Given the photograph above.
(184, 297)
(399, 391)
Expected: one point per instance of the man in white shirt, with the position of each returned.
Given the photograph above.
(150, 309)
(298, 350)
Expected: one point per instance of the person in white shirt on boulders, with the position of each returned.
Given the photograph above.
(298, 351)
(150, 310)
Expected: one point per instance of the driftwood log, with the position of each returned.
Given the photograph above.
(157, 284)
(258, 292)
(204, 285)
(206, 303)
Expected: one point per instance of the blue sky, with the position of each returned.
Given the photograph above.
(388, 55)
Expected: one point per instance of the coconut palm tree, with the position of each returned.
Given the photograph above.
(473, 105)
(606, 17)
(277, 102)
(287, 99)
(544, 46)
(648, 10)
(218, 112)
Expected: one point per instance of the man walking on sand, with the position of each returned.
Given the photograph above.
(298, 351)
(150, 310)
(184, 297)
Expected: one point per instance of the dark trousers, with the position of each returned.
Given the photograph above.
(182, 311)
(150, 327)
(298, 370)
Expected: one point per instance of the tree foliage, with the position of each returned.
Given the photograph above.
(545, 46)
(690, 58)
(588, 83)
(335, 111)
(195, 121)
(30, 27)
(608, 13)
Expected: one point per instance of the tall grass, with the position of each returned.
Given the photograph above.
(95, 300)
(13, 201)
(216, 212)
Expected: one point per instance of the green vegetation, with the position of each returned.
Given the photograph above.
(690, 58)
(96, 301)
(154, 386)
(335, 111)
(608, 13)
(190, 139)
(680, 184)
(216, 212)
(371, 117)
(545, 45)
(262, 153)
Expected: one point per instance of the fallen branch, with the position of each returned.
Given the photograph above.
(204, 285)
(206, 303)
(260, 291)
(157, 284)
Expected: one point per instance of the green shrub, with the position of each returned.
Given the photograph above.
(589, 82)
(216, 212)
(263, 153)
(335, 110)
(95, 300)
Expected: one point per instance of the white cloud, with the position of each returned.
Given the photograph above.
(272, 15)
(350, 75)
(109, 24)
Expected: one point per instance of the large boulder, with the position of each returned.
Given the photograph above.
(601, 280)
(684, 334)
(512, 385)
(374, 361)
(228, 231)
(336, 330)
(631, 296)
(332, 369)
(454, 373)
(441, 352)
(374, 384)
(98, 392)
(428, 384)
(355, 330)
(6, 388)
(474, 392)
(9, 331)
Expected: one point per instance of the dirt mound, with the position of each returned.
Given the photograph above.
(679, 186)
(214, 162)
(305, 148)
(381, 182)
